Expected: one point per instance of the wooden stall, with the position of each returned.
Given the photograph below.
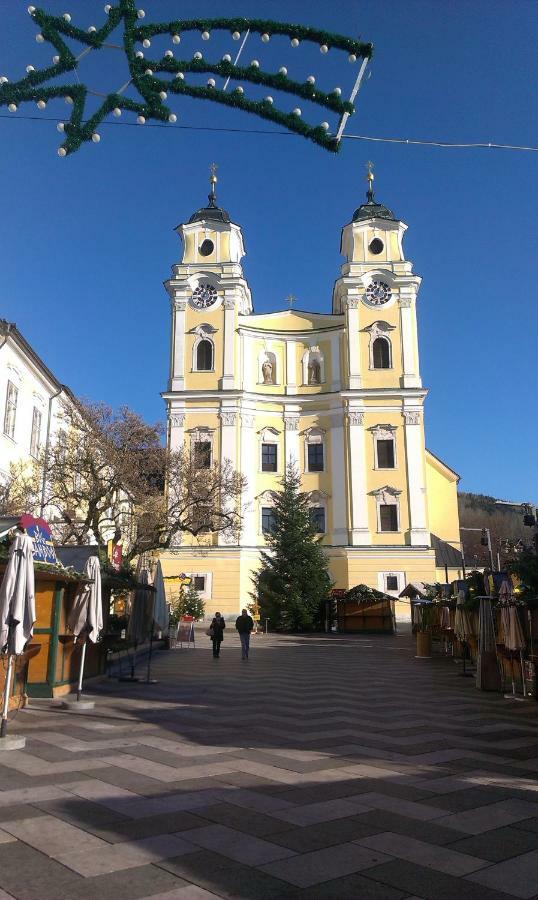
(366, 610)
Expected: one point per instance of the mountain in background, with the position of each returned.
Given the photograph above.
(505, 524)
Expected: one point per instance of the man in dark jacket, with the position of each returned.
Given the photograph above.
(244, 625)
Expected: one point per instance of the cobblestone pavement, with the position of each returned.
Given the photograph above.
(323, 767)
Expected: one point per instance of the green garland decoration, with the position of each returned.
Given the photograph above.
(153, 89)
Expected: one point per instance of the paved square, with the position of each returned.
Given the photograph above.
(324, 767)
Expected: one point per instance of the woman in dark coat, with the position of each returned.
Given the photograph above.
(217, 627)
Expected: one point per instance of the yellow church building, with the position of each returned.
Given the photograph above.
(338, 393)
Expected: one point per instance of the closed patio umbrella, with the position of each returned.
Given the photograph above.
(86, 616)
(513, 634)
(140, 618)
(463, 628)
(17, 609)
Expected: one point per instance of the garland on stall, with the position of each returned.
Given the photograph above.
(154, 90)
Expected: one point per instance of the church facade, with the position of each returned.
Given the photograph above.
(338, 393)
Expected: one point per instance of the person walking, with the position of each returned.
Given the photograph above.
(244, 625)
(217, 633)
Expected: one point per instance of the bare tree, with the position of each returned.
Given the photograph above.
(108, 473)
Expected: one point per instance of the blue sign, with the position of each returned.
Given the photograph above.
(39, 531)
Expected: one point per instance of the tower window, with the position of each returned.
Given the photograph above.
(268, 519)
(376, 246)
(202, 454)
(381, 353)
(206, 247)
(385, 453)
(204, 356)
(35, 437)
(391, 582)
(317, 518)
(269, 457)
(10, 412)
(315, 457)
(388, 517)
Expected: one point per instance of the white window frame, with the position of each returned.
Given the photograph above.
(382, 582)
(269, 435)
(315, 436)
(309, 354)
(10, 410)
(388, 496)
(35, 433)
(207, 592)
(385, 433)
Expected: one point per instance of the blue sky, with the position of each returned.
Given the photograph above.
(87, 241)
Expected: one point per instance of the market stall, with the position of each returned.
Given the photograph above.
(363, 609)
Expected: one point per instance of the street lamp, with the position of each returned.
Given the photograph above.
(485, 540)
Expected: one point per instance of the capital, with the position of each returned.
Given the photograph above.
(356, 418)
(404, 302)
(229, 303)
(291, 423)
(177, 420)
(412, 417)
(228, 417)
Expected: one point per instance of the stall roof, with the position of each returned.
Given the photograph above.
(445, 554)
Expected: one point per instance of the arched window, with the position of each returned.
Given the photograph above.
(204, 356)
(381, 353)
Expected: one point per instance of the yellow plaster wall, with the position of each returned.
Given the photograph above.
(442, 488)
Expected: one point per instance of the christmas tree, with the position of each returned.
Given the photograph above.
(293, 582)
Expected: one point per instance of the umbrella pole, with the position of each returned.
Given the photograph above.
(523, 674)
(7, 692)
(81, 671)
(149, 679)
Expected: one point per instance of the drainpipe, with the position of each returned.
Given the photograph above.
(47, 448)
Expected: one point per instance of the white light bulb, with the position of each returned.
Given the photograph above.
(265, 38)
(141, 120)
(239, 89)
(283, 70)
(352, 58)
(148, 72)
(31, 10)
(140, 13)
(30, 69)
(325, 126)
(205, 35)
(172, 118)
(60, 126)
(96, 137)
(255, 64)
(12, 107)
(297, 111)
(226, 58)
(180, 75)
(324, 48)
(108, 8)
(163, 95)
(311, 79)
(56, 60)
(41, 104)
(62, 151)
(211, 82)
(269, 100)
(67, 17)
(139, 54)
(69, 100)
(116, 112)
(92, 29)
(236, 35)
(176, 38)
(169, 54)
(198, 55)
(40, 38)
(337, 91)
(146, 42)
(295, 42)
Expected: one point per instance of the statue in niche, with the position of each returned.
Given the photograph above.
(267, 372)
(314, 372)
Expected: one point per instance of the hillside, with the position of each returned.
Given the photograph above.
(504, 522)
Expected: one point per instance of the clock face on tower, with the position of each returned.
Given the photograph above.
(204, 296)
(378, 293)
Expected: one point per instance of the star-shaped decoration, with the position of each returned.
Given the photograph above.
(153, 89)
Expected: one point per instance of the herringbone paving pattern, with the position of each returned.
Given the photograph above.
(323, 767)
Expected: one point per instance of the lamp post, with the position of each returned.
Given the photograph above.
(485, 540)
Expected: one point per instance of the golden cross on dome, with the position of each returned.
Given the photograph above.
(370, 180)
(291, 300)
(213, 181)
